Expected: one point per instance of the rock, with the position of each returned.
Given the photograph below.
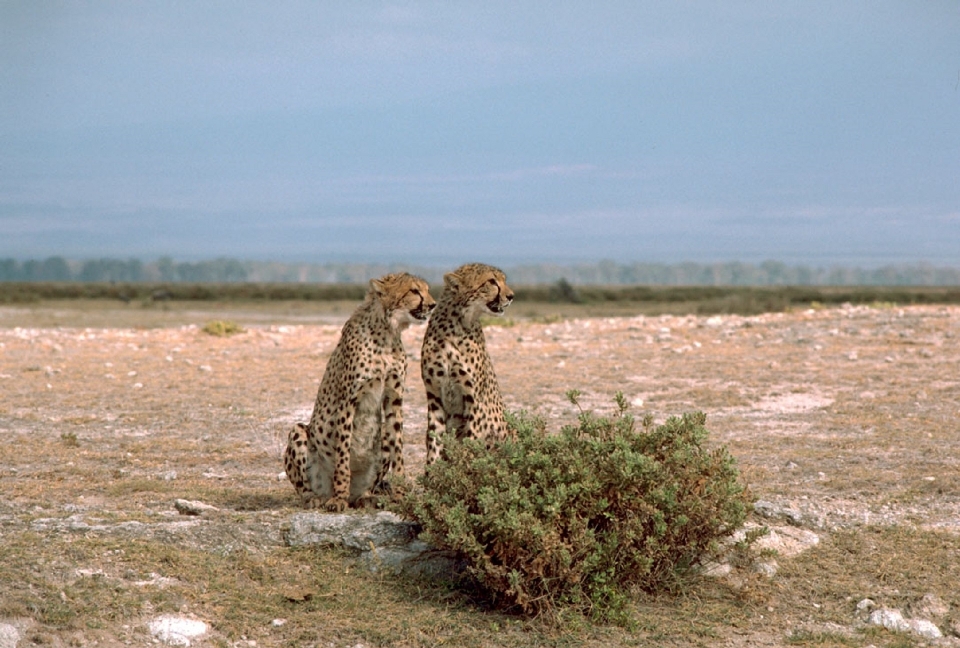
(767, 568)
(717, 569)
(893, 620)
(187, 507)
(932, 607)
(889, 619)
(354, 531)
(9, 636)
(177, 631)
(785, 541)
(788, 541)
(772, 511)
(924, 628)
(383, 541)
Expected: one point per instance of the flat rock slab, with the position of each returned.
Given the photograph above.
(383, 540)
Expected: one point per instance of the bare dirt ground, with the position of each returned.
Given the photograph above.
(845, 419)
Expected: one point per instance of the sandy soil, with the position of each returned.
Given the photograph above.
(846, 416)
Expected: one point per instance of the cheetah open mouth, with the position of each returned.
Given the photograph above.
(421, 313)
(496, 307)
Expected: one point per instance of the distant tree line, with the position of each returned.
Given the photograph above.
(768, 273)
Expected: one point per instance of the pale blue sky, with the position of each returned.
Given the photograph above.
(813, 132)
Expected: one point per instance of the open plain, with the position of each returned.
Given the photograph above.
(844, 422)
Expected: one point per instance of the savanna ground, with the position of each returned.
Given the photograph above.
(844, 416)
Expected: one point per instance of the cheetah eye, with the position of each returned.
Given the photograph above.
(492, 281)
(416, 291)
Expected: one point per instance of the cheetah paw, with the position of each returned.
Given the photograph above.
(336, 505)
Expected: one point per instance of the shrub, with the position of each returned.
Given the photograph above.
(582, 518)
(563, 291)
(222, 328)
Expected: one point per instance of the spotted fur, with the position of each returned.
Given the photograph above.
(355, 435)
(463, 396)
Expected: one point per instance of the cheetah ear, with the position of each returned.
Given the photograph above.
(451, 280)
(377, 287)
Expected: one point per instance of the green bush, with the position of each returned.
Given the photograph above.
(222, 328)
(582, 518)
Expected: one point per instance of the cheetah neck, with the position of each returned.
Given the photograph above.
(381, 322)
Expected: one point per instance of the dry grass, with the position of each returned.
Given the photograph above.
(110, 413)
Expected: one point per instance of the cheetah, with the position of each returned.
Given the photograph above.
(463, 396)
(355, 435)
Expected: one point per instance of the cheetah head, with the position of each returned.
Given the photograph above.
(482, 289)
(405, 297)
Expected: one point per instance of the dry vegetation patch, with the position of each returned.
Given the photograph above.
(844, 419)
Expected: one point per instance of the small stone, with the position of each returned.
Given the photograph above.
(177, 631)
(866, 605)
(767, 568)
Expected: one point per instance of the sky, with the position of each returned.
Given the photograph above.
(810, 132)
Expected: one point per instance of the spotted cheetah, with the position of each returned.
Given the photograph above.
(463, 395)
(355, 435)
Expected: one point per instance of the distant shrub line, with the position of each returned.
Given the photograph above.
(159, 292)
(680, 299)
(603, 273)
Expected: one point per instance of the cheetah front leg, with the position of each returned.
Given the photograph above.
(299, 460)
(436, 420)
(343, 421)
(391, 434)
(450, 406)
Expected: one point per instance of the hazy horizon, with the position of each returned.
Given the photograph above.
(806, 132)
